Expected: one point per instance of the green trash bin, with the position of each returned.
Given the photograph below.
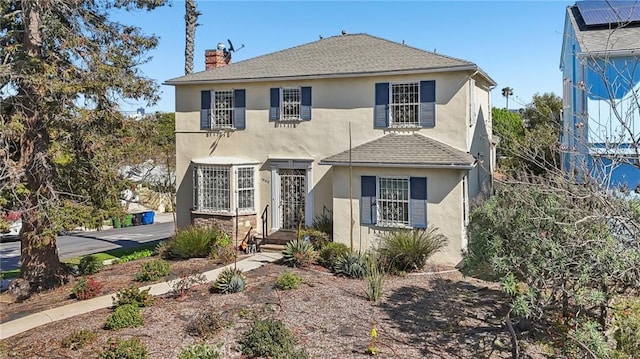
(128, 220)
(116, 222)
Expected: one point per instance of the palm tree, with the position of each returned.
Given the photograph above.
(191, 22)
(506, 92)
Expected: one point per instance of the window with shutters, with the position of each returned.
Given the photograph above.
(290, 105)
(222, 109)
(393, 202)
(405, 105)
(213, 186)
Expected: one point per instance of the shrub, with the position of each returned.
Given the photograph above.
(288, 280)
(125, 316)
(324, 222)
(153, 270)
(223, 250)
(124, 349)
(86, 288)
(330, 253)
(205, 323)
(78, 339)
(180, 287)
(269, 338)
(627, 324)
(200, 351)
(407, 250)
(134, 296)
(299, 253)
(89, 265)
(350, 265)
(374, 278)
(143, 253)
(589, 335)
(192, 242)
(317, 238)
(230, 281)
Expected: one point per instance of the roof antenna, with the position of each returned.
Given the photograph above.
(321, 37)
(344, 32)
(227, 52)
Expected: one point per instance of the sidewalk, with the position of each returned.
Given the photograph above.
(23, 324)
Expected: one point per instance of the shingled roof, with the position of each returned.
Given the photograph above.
(603, 38)
(403, 150)
(337, 56)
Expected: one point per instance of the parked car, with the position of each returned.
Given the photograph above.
(15, 225)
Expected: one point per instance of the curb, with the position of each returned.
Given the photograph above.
(31, 321)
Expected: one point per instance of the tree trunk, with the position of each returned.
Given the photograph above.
(40, 264)
(191, 21)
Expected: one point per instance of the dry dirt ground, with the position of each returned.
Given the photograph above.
(419, 316)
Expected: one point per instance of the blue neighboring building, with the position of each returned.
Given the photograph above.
(600, 64)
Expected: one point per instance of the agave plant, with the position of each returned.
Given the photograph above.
(230, 281)
(351, 265)
(299, 253)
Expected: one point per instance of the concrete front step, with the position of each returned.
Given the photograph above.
(278, 237)
(272, 247)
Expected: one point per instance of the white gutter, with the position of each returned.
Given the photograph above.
(609, 53)
(401, 165)
(329, 76)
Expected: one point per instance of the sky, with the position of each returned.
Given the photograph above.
(517, 43)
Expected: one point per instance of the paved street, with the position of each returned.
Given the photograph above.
(81, 243)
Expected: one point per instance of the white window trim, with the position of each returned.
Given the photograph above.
(233, 190)
(391, 104)
(282, 104)
(231, 111)
(387, 224)
(252, 188)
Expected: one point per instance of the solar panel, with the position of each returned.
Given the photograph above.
(606, 12)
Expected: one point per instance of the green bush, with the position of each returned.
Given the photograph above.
(288, 280)
(317, 238)
(324, 222)
(205, 323)
(143, 253)
(351, 265)
(627, 326)
(78, 339)
(374, 278)
(192, 242)
(330, 253)
(86, 288)
(407, 250)
(230, 281)
(223, 250)
(269, 338)
(200, 351)
(299, 253)
(153, 270)
(133, 295)
(124, 349)
(589, 334)
(89, 265)
(125, 316)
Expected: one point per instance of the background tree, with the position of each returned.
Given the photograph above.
(506, 92)
(191, 22)
(65, 66)
(545, 109)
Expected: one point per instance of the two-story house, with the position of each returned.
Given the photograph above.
(381, 132)
(601, 75)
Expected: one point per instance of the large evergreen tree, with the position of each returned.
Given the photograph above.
(65, 65)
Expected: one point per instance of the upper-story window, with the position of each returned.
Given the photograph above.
(405, 105)
(402, 105)
(290, 104)
(222, 109)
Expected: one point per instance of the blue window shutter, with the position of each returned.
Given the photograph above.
(418, 202)
(239, 110)
(381, 111)
(368, 210)
(274, 108)
(205, 110)
(427, 103)
(305, 103)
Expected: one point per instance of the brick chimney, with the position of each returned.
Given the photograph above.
(216, 58)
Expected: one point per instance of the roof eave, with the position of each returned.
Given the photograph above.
(452, 166)
(468, 67)
(609, 53)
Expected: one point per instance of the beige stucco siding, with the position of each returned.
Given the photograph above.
(336, 103)
(444, 207)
